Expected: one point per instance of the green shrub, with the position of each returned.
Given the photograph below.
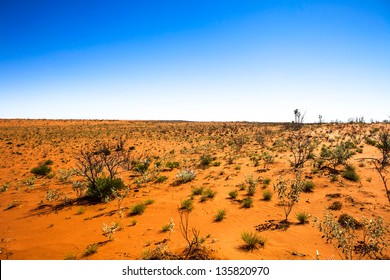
(347, 221)
(266, 181)
(187, 204)
(267, 195)
(197, 191)
(171, 165)
(142, 166)
(308, 186)
(252, 240)
(138, 209)
(41, 170)
(207, 194)
(233, 194)
(221, 214)
(205, 161)
(161, 179)
(48, 162)
(350, 174)
(370, 141)
(247, 202)
(302, 217)
(166, 227)
(104, 187)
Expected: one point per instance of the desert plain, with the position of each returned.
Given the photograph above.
(235, 167)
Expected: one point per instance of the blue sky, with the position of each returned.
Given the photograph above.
(195, 60)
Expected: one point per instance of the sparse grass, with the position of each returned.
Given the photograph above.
(149, 201)
(252, 240)
(4, 188)
(133, 222)
(267, 195)
(70, 256)
(302, 217)
(138, 209)
(81, 210)
(247, 202)
(91, 249)
(220, 216)
(233, 194)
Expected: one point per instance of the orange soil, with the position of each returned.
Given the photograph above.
(38, 229)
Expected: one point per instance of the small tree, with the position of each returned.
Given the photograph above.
(298, 119)
(93, 161)
(301, 146)
(339, 155)
(288, 197)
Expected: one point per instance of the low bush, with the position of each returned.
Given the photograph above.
(247, 202)
(302, 217)
(197, 191)
(205, 161)
(138, 209)
(346, 220)
(184, 176)
(350, 174)
(267, 195)
(161, 179)
(252, 240)
(207, 194)
(221, 214)
(41, 170)
(233, 194)
(104, 187)
(187, 204)
(172, 164)
(308, 186)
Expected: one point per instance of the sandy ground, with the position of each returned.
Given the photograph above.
(31, 227)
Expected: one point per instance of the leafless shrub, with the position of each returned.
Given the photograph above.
(191, 236)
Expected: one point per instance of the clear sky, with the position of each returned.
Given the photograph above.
(195, 60)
